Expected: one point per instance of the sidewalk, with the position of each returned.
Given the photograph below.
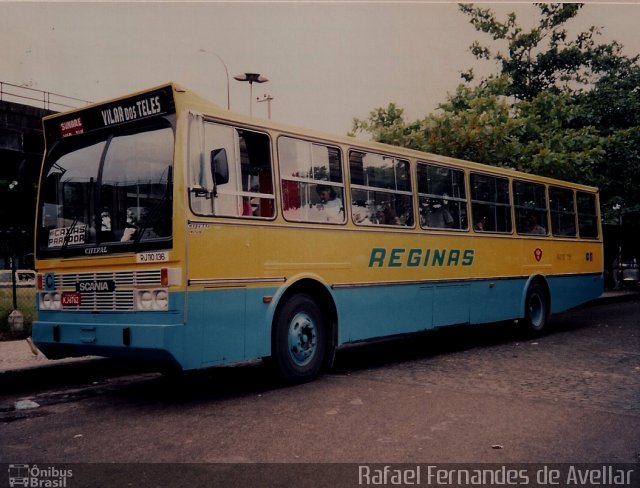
(22, 355)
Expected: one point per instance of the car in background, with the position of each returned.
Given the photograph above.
(626, 273)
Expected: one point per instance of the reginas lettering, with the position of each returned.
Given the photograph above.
(418, 257)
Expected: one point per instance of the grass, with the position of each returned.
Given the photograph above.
(25, 298)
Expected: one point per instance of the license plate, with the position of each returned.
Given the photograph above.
(70, 299)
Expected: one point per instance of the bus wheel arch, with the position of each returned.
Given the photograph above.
(304, 304)
(536, 305)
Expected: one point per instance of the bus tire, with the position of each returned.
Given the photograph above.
(299, 339)
(536, 308)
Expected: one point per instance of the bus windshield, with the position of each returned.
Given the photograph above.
(108, 190)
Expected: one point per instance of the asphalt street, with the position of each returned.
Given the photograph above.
(473, 394)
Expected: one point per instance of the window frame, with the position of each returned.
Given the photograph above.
(198, 124)
(309, 182)
(381, 190)
(93, 200)
(553, 212)
(595, 216)
(508, 205)
(464, 201)
(538, 210)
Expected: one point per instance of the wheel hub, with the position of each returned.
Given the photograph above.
(536, 310)
(302, 338)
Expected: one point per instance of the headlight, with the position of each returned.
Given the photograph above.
(50, 301)
(152, 300)
(161, 299)
(145, 300)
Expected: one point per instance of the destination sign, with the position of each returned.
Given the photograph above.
(132, 109)
(70, 235)
(71, 127)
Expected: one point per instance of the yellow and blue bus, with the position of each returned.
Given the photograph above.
(173, 230)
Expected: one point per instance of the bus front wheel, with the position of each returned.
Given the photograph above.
(299, 340)
(536, 310)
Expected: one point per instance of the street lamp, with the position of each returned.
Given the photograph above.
(226, 71)
(251, 78)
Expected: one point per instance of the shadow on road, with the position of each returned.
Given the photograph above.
(139, 382)
(443, 341)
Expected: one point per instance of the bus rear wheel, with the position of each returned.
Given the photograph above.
(299, 339)
(536, 311)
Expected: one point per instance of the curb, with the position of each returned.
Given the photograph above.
(72, 372)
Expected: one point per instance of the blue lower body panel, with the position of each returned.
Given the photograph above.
(387, 310)
(212, 327)
(216, 327)
(570, 291)
(378, 311)
(163, 343)
(147, 335)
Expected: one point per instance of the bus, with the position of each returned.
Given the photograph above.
(170, 229)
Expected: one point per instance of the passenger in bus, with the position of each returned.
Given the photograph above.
(481, 224)
(533, 227)
(328, 197)
(129, 232)
(387, 216)
(361, 215)
(107, 231)
(105, 220)
(330, 203)
(137, 222)
(437, 215)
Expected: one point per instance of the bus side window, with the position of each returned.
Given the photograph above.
(531, 208)
(587, 215)
(256, 176)
(490, 204)
(312, 183)
(246, 187)
(380, 190)
(563, 213)
(443, 200)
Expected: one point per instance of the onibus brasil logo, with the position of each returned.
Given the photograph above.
(38, 477)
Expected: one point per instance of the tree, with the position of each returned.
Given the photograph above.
(558, 106)
(543, 58)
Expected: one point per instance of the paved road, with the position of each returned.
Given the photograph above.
(469, 394)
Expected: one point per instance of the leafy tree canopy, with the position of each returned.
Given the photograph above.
(559, 105)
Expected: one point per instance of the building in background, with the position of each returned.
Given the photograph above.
(21, 150)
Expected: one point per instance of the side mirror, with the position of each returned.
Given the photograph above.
(219, 166)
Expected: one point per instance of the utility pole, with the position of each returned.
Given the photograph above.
(268, 99)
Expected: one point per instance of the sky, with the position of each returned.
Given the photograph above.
(327, 62)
